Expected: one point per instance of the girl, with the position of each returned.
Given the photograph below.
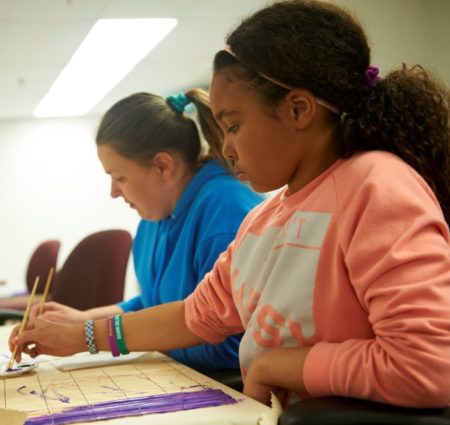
(152, 152)
(341, 280)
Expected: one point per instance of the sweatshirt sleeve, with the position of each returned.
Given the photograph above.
(211, 356)
(133, 304)
(396, 248)
(210, 311)
(208, 251)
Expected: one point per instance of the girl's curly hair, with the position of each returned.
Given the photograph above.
(322, 48)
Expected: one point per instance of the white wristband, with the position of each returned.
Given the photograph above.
(90, 337)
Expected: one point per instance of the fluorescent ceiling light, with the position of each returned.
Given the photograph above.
(109, 52)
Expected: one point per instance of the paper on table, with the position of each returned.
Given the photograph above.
(12, 417)
(4, 357)
(271, 418)
(267, 415)
(85, 360)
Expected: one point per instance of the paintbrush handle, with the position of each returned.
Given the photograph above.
(24, 320)
(11, 360)
(46, 290)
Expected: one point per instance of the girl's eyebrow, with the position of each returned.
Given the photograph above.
(224, 113)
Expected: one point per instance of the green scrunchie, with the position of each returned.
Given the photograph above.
(178, 102)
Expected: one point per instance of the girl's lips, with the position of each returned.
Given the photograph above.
(240, 175)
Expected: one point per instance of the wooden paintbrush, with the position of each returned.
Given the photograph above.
(24, 320)
(46, 290)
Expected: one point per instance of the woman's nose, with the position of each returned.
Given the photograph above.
(115, 191)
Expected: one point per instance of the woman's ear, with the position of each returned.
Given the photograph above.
(164, 163)
(302, 108)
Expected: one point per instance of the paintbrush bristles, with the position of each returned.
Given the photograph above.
(24, 320)
(46, 290)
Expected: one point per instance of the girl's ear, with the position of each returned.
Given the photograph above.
(302, 107)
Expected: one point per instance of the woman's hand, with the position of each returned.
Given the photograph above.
(45, 337)
(57, 312)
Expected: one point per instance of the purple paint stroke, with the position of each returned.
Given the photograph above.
(109, 388)
(44, 395)
(162, 403)
(192, 386)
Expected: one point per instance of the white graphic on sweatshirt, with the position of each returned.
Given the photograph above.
(274, 275)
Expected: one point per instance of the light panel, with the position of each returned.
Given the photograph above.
(109, 52)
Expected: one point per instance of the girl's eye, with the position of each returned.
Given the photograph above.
(120, 179)
(233, 129)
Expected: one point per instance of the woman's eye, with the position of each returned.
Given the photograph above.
(233, 129)
(120, 179)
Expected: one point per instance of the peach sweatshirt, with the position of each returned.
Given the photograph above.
(355, 264)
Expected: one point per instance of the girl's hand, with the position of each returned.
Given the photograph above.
(57, 312)
(277, 370)
(255, 388)
(45, 337)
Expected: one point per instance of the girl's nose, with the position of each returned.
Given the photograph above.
(228, 150)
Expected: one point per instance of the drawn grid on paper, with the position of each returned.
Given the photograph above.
(55, 392)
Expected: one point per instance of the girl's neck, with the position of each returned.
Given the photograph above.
(323, 153)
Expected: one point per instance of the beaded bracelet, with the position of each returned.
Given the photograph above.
(90, 337)
(119, 334)
(112, 337)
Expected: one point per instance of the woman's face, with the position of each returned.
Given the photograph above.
(143, 187)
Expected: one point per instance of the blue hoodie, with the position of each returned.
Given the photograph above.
(171, 256)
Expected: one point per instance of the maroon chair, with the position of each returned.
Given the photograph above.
(93, 274)
(43, 258)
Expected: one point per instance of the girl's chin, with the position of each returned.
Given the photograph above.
(261, 188)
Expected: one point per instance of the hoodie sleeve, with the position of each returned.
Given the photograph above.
(396, 247)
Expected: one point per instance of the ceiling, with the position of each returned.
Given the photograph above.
(38, 37)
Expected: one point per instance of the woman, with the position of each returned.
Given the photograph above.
(190, 204)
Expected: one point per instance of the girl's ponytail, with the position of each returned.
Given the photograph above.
(406, 113)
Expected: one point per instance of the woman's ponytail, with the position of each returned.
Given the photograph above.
(208, 125)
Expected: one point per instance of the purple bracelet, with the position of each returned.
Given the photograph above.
(112, 337)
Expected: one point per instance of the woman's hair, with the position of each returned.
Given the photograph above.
(143, 124)
(320, 47)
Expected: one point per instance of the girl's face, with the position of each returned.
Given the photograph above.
(143, 187)
(264, 149)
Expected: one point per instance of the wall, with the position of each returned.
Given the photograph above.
(410, 31)
(52, 186)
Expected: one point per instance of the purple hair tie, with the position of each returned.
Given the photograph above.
(371, 78)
